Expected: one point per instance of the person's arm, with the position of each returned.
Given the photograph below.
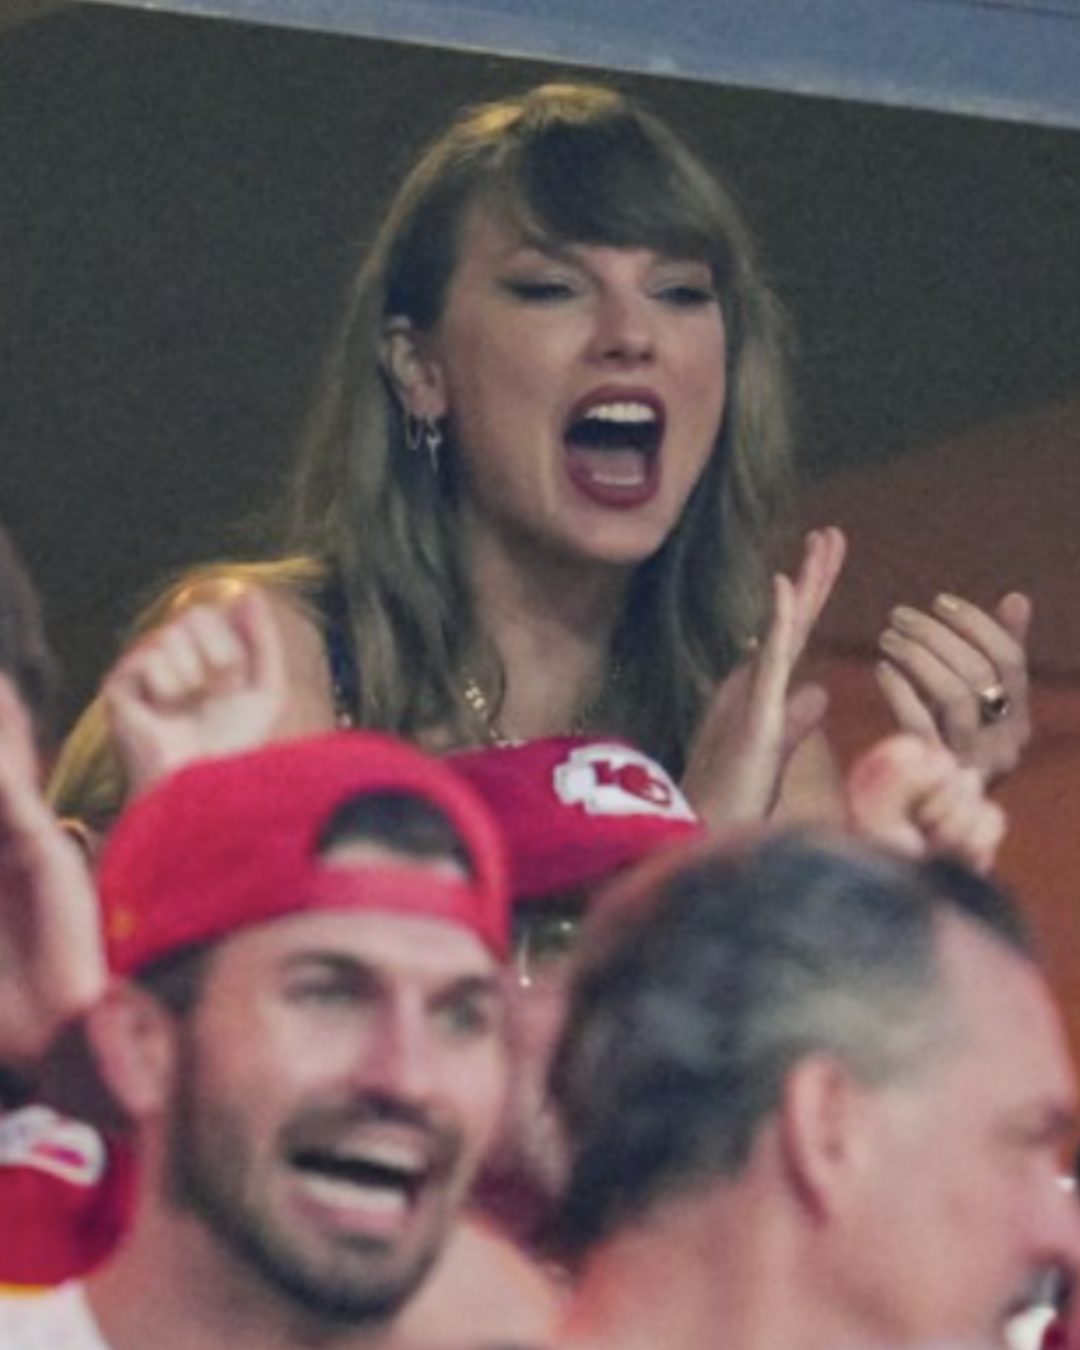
(52, 964)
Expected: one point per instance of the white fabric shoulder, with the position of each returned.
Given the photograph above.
(57, 1319)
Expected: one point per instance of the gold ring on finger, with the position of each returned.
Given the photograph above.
(994, 704)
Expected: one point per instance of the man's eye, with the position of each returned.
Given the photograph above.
(323, 993)
(468, 1018)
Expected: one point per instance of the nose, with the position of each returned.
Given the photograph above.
(624, 333)
(399, 1059)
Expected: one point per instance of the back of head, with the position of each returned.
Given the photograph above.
(717, 975)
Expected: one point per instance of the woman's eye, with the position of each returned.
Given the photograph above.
(685, 295)
(540, 291)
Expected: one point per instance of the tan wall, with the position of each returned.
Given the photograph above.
(1041, 856)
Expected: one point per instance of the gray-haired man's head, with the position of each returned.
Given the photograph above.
(696, 1006)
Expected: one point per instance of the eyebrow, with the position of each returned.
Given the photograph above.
(473, 986)
(549, 248)
(364, 972)
(351, 966)
(566, 255)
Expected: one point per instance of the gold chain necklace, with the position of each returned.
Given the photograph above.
(480, 705)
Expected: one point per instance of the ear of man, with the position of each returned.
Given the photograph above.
(416, 376)
(134, 1039)
(824, 1135)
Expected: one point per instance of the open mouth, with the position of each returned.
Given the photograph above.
(378, 1181)
(613, 447)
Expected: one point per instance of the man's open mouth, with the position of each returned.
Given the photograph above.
(376, 1178)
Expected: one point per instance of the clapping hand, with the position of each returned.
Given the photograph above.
(958, 676)
(754, 721)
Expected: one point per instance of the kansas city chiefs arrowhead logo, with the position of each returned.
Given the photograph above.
(614, 780)
(38, 1138)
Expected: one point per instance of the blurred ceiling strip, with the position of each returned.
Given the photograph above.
(1017, 60)
(16, 12)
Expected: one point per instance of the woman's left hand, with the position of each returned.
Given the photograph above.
(959, 675)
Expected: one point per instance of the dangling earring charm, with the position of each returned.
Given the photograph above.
(424, 433)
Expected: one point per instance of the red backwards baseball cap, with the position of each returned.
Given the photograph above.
(574, 810)
(230, 842)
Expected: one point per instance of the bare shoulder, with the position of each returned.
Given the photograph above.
(485, 1291)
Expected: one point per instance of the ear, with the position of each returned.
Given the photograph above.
(134, 1040)
(413, 370)
(824, 1139)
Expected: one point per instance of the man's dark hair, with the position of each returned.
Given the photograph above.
(689, 1014)
(400, 821)
(24, 653)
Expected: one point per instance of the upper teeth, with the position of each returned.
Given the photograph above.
(384, 1154)
(622, 412)
(373, 1199)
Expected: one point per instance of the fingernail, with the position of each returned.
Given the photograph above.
(947, 602)
(903, 617)
(892, 642)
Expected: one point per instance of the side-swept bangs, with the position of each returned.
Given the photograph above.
(616, 180)
(564, 165)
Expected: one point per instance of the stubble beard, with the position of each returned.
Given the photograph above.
(209, 1176)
